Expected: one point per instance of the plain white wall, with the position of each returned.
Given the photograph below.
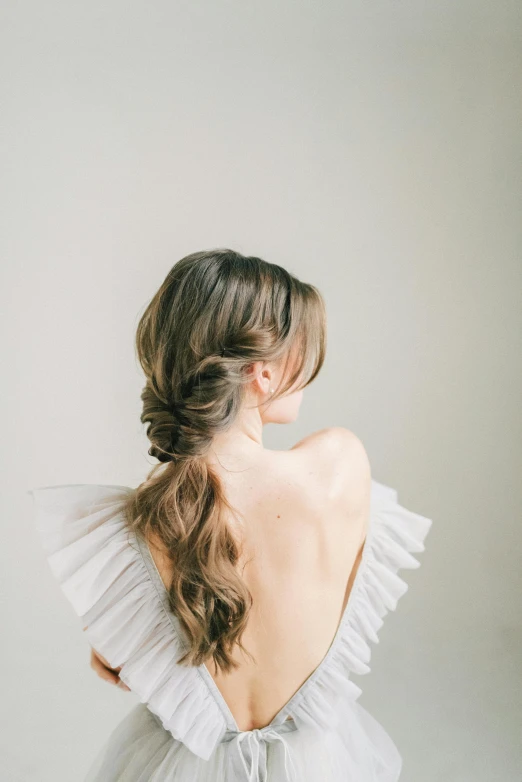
(374, 149)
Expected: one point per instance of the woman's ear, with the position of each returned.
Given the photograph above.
(261, 376)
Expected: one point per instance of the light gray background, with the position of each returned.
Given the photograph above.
(374, 149)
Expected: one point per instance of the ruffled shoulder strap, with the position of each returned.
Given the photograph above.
(97, 562)
(394, 535)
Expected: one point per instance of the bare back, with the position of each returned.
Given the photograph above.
(304, 513)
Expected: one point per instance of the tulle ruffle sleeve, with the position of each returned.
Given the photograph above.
(97, 562)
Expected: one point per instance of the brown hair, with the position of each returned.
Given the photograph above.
(216, 313)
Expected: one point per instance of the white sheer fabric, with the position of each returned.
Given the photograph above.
(182, 729)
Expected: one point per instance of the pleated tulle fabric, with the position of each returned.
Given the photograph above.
(182, 729)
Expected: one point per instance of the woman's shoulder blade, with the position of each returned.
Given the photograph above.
(338, 458)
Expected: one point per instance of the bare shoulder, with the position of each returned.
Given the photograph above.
(344, 467)
(330, 437)
(335, 442)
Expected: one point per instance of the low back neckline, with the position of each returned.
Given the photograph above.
(109, 576)
(202, 669)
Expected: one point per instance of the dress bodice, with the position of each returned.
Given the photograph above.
(107, 573)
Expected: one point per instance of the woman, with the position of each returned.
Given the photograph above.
(236, 590)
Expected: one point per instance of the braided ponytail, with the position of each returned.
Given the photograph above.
(194, 390)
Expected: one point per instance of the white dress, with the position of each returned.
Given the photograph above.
(182, 730)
